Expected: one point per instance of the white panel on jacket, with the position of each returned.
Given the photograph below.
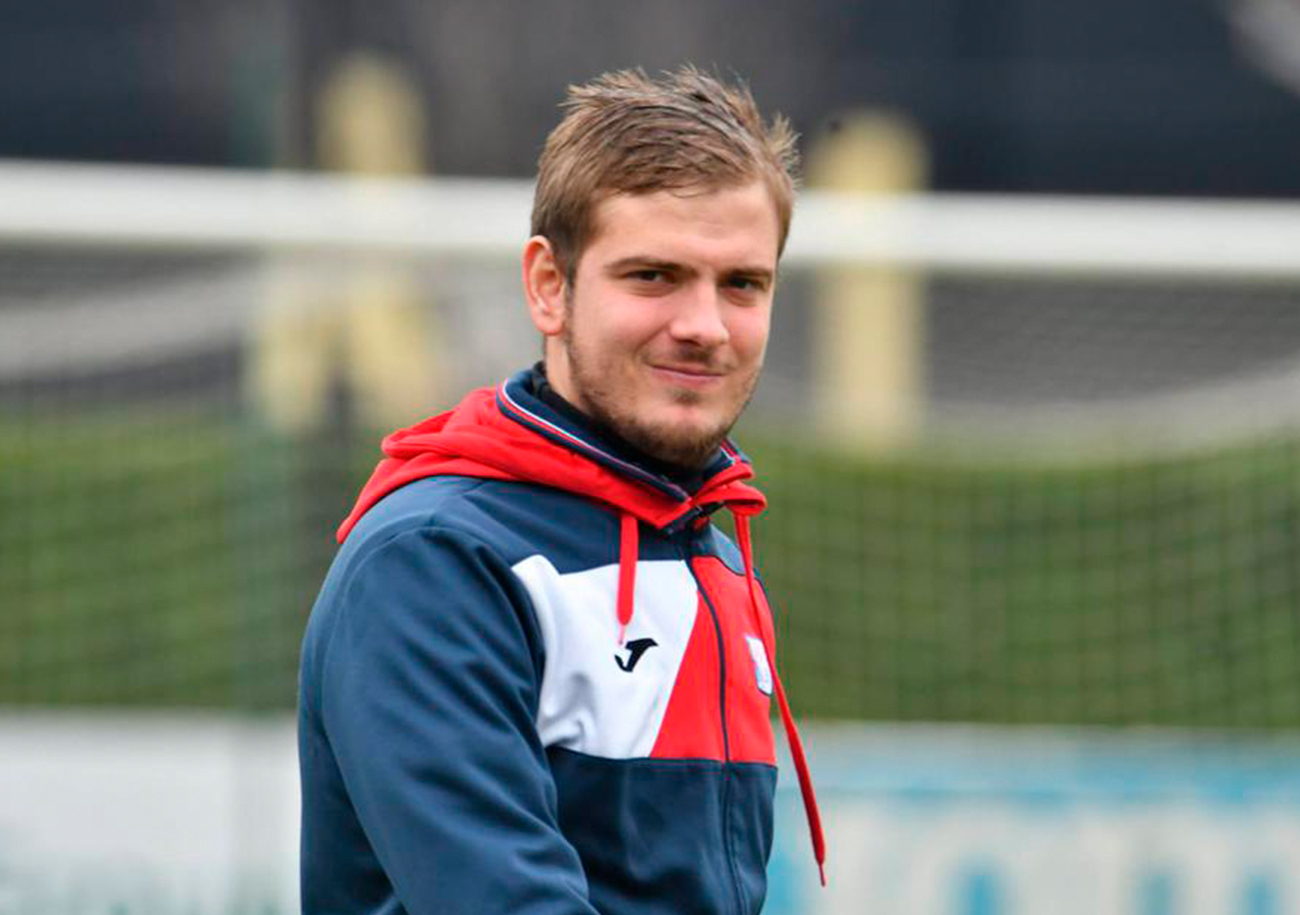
(597, 697)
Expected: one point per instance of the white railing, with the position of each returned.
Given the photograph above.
(184, 208)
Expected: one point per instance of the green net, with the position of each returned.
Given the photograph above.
(1093, 521)
(1154, 592)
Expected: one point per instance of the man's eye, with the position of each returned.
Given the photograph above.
(649, 276)
(747, 283)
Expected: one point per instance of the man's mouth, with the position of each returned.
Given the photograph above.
(688, 375)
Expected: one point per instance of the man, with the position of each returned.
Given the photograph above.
(537, 679)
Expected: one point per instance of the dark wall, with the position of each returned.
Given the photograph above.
(136, 80)
(1114, 96)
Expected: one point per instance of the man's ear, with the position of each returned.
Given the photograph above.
(545, 287)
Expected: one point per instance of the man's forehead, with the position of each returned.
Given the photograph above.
(728, 210)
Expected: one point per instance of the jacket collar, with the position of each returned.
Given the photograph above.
(518, 399)
(508, 433)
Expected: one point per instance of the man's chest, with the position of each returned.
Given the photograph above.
(690, 678)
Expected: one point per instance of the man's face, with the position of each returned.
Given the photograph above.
(666, 322)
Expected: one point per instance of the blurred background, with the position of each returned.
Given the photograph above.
(1030, 426)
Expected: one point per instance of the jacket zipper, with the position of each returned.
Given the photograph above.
(689, 555)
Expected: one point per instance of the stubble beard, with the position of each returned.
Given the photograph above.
(683, 447)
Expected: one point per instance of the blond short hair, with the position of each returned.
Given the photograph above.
(626, 133)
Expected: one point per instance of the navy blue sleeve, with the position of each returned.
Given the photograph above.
(429, 689)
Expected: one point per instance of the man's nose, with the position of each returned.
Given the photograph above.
(699, 315)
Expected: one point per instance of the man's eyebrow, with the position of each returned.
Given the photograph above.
(644, 263)
(756, 271)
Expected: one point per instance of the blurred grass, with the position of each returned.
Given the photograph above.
(159, 559)
(1158, 592)
(147, 559)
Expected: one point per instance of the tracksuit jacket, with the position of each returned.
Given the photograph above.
(537, 681)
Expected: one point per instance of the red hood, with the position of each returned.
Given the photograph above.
(477, 439)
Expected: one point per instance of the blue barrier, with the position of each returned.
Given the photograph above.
(985, 821)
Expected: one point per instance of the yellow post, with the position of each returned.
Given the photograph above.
(365, 317)
(869, 322)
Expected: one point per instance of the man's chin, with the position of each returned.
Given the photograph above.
(684, 441)
(689, 455)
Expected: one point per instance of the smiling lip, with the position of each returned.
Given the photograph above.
(687, 375)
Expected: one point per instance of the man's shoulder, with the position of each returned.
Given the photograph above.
(434, 530)
(514, 519)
